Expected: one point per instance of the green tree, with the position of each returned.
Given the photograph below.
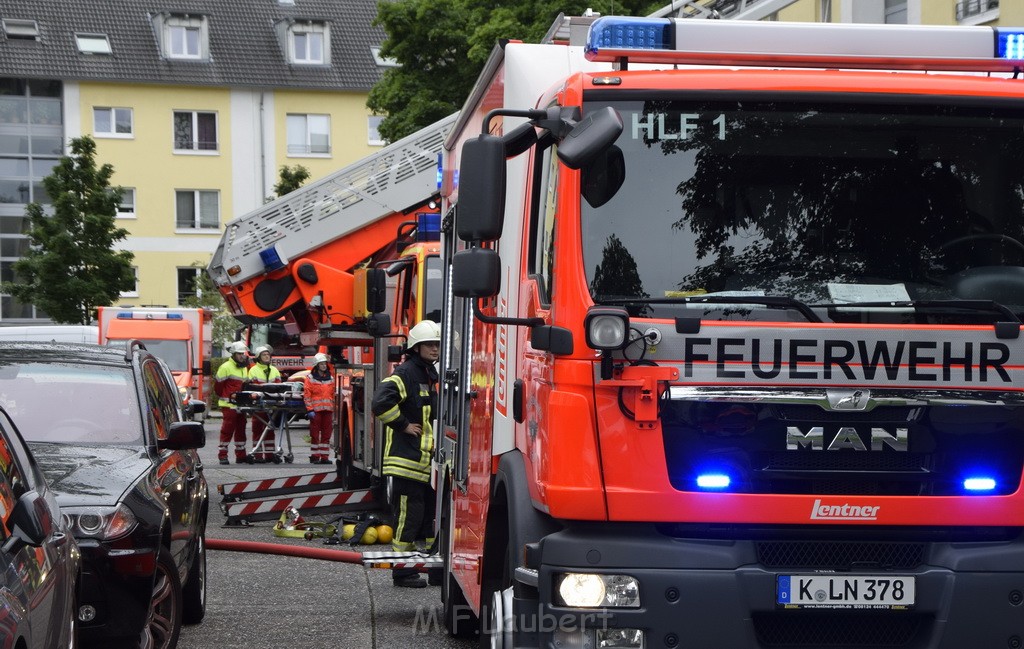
(441, 46)
(72, 267)
(290, 179)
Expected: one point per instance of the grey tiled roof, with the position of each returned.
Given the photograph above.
(244, 46)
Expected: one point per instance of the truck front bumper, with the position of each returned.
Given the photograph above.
(712, 592)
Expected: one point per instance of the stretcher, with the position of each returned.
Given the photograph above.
(275, 404)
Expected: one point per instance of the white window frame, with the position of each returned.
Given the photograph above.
(135, 292)
(93, 44)
(175, 32)
(384, 62)
(373, 137)
(197, 212)
(194, 150)
(129, 197)
(305, 57)
(112, 114)
(304, 149)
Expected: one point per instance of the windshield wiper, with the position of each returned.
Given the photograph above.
(1009, 329)
(771, 301)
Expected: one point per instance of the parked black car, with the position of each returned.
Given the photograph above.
(107, 427)
(39, 559)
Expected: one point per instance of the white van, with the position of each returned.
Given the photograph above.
(54, 333)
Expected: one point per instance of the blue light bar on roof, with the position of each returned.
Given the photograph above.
(1010, 44)
(689, 41)
(620, 33)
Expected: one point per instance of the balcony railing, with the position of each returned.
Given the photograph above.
(967, 8)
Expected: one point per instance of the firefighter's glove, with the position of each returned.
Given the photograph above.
(310, 415)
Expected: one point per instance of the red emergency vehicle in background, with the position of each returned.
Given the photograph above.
(181, 336)
(348, 264)
(732, 351)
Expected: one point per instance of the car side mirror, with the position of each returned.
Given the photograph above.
(30, 523)
(195, 407)
(184, 435)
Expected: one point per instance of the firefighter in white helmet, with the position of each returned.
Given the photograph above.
(318, 392)
(405, 403)
(263, 372)
(230, 377)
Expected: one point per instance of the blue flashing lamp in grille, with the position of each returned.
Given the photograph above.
(1010, 44)
(979, 484)
(440, 172)
(428, 226)
(625, 33)
(271, 259)
(713, 481)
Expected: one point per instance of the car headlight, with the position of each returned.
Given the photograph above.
(606, 327)
(586, 590)
(101, 523)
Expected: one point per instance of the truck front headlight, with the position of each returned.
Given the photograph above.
(587, 590)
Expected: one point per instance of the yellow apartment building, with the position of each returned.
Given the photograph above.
(196, 103)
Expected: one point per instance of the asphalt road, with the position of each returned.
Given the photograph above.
(257, 601)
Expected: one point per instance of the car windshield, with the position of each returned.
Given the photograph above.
(60, 403)
(173, 352)
(822, 203)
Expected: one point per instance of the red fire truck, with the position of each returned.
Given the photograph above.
(732, 356)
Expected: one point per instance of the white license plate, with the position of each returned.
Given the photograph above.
(839, 591)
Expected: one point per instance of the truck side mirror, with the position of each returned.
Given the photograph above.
(591, 136)
(548, 338)
(206, 369)
(481, 207)
(476, 272)
(376, 290)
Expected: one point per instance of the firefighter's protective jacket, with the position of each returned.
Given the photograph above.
(264, 373)
(408, 395)
(318, 391)
(229, 380)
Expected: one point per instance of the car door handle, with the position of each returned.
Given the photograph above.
(59, 539)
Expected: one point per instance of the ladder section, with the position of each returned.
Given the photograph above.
(394, 179)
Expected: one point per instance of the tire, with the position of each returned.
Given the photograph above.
(194, 592)
(163, 624)
(351, 477)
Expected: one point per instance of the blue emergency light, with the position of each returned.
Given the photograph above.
(1010, 44)
(131, 315)
(428, 226)
(806, 45)
(630, 33)
(271, 259)
(713, 481)
(979, 484)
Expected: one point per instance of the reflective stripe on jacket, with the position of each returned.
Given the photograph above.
(318, 392)
(407, 396)
(230, 371)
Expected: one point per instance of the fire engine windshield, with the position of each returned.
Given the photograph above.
(825, 203)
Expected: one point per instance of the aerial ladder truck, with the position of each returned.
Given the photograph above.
(349, 263)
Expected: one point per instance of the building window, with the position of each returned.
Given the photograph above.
(975, 12)
(31, 140)
(308, 43)
(18, 29)
(384, 62)
(195, 131)
(197, 209)
(185, 37)
(135, 291)
(896, 12)
(309, 134)
(126, 210)
(93, 44)
(188, 284)
(373, 137)
(112, 122)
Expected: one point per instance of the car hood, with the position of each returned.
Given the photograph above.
(90, 475)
